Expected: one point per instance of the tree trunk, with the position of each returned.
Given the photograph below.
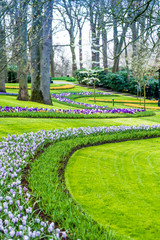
(116, 42)
(15, 24)
(97, 47)
(36, 35)
(2, 58)
(104, 49)
(80, 49)
(134, 36)
(52, 64)
(119, 48)
(72, 47)
(23, 88)
(46, 52)
(126, 59)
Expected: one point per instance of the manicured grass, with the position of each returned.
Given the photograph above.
(118, 185)
(116, 104)
(13, 102)
(70, 79)
(75, 89)
(21, 125)
(55, 200)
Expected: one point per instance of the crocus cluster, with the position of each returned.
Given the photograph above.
(17, 216)
(62, 97)
(74, 111)
(10, 94)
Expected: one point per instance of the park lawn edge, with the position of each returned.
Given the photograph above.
(74, 116)
(72, 216)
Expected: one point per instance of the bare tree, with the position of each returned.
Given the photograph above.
(46, 52)
(36, 43)
(22, 57)
(2, 50)
(66, 10)
(81, 15)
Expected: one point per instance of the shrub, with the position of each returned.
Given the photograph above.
(114, 81)
(92, 73)
(12, 73)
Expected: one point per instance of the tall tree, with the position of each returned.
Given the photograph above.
(22, 56)
(94, 18)
(66, 10)
(46, 52)
(103, 10)
(81, 15)
(36, 43)
(2, 54)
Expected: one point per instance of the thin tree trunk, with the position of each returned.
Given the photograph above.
(117, 57)
(104, 49)
(80, 49)
(115, 38)
(72, 47)
(126, 58)
(36, 35)
(52, 64)
(98, 47)
(23, 88)
(46, 52)
(134, 36)
(2, 58)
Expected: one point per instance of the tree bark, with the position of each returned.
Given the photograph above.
(36, 35)
(80, 49)
(104, 49)
(118, 50)
(2, 58)
(134, 36)
(23, 88)
(72, 47)
(52, 63)
(46, 52)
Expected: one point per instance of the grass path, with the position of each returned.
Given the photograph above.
(118, 185)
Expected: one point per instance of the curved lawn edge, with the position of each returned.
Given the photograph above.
(62, 152)
(74, 116)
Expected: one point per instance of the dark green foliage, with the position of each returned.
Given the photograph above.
(114, 81)
(29, 78)
(12, 73)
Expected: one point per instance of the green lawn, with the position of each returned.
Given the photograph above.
(116, 104)
(21, 125)
(118, 185)
(138, 227)
(12, 101)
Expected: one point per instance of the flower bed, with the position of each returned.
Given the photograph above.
(122, 101)
(62, 97)
(141, 106)
(67, 111)
(18, 219)
(10, 94)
